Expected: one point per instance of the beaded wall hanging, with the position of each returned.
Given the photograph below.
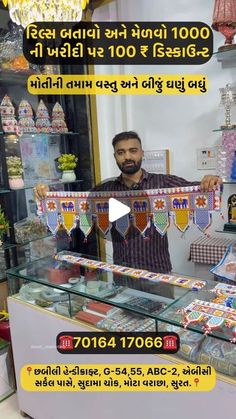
(147, 207)
(212, 314)
(72, 257)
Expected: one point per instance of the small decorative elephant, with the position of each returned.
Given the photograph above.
(180, 203)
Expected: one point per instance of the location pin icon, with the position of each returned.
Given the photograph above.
(196, 381)
(29, 369)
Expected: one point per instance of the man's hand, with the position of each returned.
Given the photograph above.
(40, 191)
(209, 183)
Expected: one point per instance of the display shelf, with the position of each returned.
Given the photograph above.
(33, 134)
(9, 245)
(225, 232)
(229, 182)
(3, 277)
(56, 182)
(15, 77)
(226, 58)
(4, 191)
(222, 130)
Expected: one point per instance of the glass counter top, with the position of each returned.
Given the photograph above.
(108, 287)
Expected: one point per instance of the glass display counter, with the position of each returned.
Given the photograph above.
(110, 298)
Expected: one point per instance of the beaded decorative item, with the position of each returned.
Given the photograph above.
(212, 314)
(58, 119)
(7, 112)
(225, 294)
(26, 121)
(71, 257)
(147, 207)
(42, 118)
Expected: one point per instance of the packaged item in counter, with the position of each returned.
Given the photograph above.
(190, 345)
(32, 291)
(101, 308)
(226, 268)
(88, 317)
(54, 295)
(29, 229)
(220, 354)
(146, 304)
(68, 309)
(190, 342)
(60, 273)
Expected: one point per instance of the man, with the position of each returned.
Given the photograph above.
(150, 253)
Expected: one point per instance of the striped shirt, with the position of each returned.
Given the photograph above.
(150, 252)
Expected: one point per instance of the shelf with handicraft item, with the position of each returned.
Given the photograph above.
(33, 134)
(51, 183)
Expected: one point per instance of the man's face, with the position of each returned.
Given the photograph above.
(128, 155)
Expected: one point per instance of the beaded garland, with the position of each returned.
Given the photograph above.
(72, 257)
(148, 207)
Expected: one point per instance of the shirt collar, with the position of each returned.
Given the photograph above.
(145, 175)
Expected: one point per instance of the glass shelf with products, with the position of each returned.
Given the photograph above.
(9, 245)
(51, 183)
(33, 134)
(15, 77)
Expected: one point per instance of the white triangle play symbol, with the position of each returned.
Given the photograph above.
(117, 210)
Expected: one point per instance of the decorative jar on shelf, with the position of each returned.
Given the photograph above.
(68, 176)
(67, 163)
(16, 182)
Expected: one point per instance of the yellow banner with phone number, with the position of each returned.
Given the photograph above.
(117, 377)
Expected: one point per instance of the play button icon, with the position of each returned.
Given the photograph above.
(117, 210)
